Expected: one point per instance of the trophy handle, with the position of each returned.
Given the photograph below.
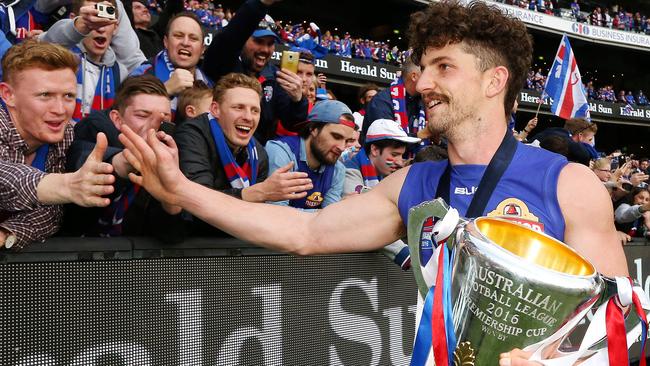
(429, 222)
(420, 230)
(610, 289)
(594, 343)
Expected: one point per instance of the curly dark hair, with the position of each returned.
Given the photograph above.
(494, 38)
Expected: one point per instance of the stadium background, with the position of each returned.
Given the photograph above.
(64, 300)
(625, 68)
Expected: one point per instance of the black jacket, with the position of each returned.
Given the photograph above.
(200, 163)
(223, 57)
(577, 152)
(145, 216)
(151, 39)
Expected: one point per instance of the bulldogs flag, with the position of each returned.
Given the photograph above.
(564, 85)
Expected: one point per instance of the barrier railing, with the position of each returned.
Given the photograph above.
(132, 301)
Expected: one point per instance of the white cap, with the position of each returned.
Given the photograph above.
(387, 129)
(358, 120)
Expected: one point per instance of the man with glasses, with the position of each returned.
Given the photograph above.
(246, 46)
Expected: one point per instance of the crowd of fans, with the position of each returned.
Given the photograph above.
(614, 16)
(304, 35)
(626, 179)
(549, 7)
(213, 16)
(537, 79)
(625, 176)
(242, 125)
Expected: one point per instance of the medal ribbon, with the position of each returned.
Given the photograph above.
(438, 340)
(437, 310)
(424, 336)
(446, 302)
(616, 342)
(644, 326)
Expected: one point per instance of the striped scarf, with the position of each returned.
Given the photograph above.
(163, 68)
(239, 177)
(112, 218)
(104, 90)
(368, 171)
(398, 97)
(18, 18)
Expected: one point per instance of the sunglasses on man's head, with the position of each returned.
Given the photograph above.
(265, 24)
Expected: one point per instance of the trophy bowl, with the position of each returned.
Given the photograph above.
(512, 287)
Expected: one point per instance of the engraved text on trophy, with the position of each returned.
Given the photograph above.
(505, 303)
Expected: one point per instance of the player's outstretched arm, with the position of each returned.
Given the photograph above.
(362, 223)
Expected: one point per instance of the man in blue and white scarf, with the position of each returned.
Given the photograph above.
(177, 64)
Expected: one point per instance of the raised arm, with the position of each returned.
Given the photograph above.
(339, 228)
(222, 54)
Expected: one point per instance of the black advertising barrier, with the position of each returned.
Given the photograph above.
(129, 301)
(207, 302)
(602, 111)
(352, 69)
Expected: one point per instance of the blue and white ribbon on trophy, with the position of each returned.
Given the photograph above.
(436, 309)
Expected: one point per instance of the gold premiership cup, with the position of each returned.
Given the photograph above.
(513, 287)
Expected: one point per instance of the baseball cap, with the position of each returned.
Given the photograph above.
(321, 94)
(266, 28)
(330, 111)
(387, 129)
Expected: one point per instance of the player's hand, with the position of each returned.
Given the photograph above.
(291, 83)
(516, 357)
(157, 161)
(179, 80)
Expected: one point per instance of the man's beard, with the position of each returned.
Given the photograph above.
(249, 63)
(452, 123)
(319, 153)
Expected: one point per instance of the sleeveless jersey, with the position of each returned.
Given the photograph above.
(526, 193)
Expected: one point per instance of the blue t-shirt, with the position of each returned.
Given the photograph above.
(526, 193)
(327, 181)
